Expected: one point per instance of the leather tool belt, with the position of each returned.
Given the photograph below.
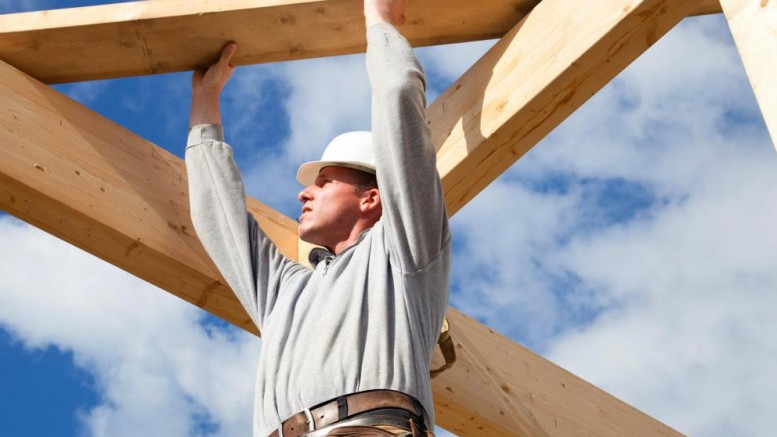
(356, 404)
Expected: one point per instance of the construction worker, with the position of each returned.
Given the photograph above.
(346, 345)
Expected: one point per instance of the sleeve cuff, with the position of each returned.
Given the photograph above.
(203, 133)
(379, 29)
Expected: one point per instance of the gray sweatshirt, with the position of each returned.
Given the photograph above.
(369, 317)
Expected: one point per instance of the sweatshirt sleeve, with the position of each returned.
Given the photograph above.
(414, 213)
(250, 263)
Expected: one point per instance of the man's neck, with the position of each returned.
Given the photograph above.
(356, 233)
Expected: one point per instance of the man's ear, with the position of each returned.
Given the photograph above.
(370, 200)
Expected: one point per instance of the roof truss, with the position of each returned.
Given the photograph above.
(88, 181)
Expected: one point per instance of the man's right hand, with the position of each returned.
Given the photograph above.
(207, 86)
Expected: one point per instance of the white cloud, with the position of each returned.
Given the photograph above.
(690, 340)
(328, 97)
(156, 368)
(321, 98)
(85, 93)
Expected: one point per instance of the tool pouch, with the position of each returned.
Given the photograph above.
(446, 346)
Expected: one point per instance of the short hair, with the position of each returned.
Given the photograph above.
(365, 180)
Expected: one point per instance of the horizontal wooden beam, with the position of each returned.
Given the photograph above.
(753, 24)
(148, 37)
(537, 75)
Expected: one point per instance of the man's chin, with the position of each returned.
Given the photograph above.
(307, 236)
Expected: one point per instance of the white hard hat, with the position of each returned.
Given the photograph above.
(351, 149)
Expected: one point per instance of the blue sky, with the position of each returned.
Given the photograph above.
(634, 246)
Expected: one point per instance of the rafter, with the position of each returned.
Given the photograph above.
(76, 175)
(534, 78)
(753, 24)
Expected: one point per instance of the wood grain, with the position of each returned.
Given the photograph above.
(150, 37)
(88, 181)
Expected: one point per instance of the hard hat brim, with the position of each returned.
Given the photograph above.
(307, 173)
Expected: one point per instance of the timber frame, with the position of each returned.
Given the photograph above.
(82, 178)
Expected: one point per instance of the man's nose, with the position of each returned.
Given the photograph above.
(305, 195)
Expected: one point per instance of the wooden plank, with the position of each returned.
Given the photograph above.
(148, 37)
(82, 178)
(535, 77)
(499, 388)
(754, 26)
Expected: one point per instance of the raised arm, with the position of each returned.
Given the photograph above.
(252, 266)
(207, 86)
(414, 214)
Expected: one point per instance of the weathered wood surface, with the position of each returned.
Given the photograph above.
(753, 24)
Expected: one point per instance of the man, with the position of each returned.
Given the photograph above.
(346, 346)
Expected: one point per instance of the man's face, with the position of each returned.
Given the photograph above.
(330, 207)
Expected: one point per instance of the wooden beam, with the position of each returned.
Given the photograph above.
(754, 26)
(499, 388)
(535, 77)
(148, 37)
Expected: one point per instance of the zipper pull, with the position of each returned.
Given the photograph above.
(327, 262)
